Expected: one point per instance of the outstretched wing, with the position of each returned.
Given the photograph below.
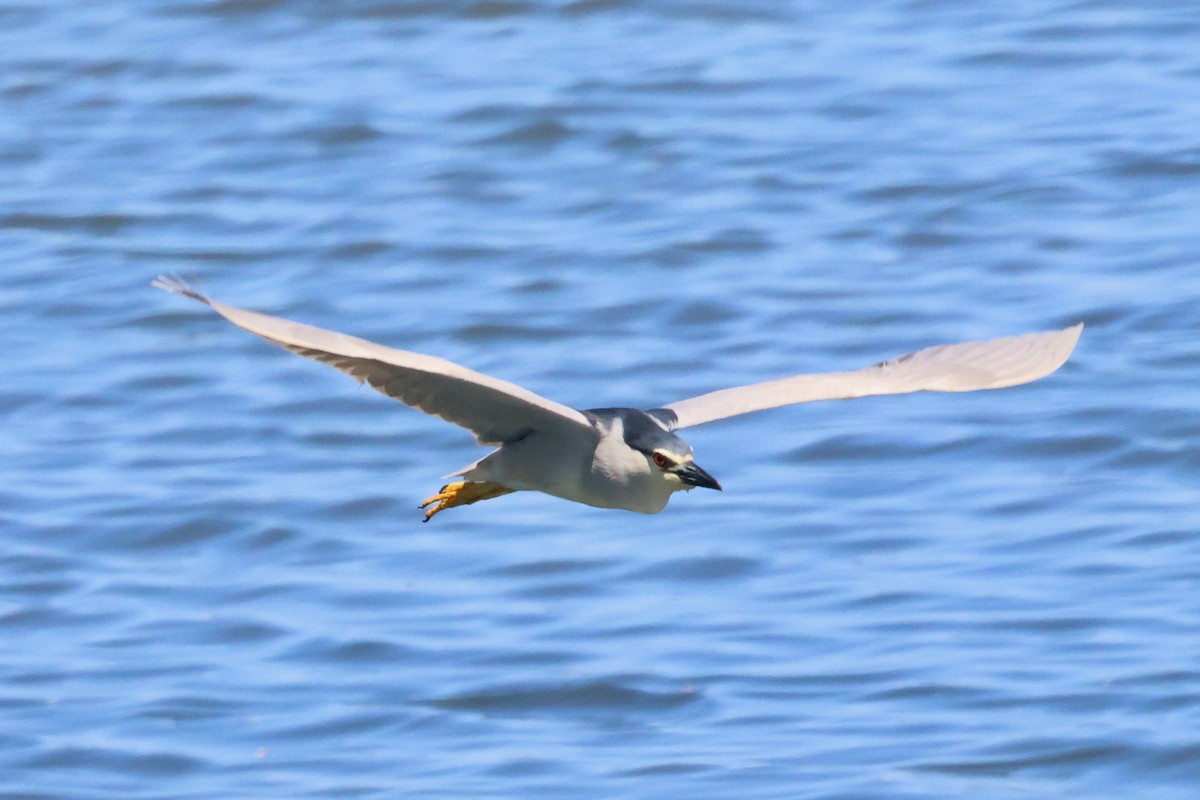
(495, 411)
(965, 367)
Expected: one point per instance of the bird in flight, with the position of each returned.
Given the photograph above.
(622, 458)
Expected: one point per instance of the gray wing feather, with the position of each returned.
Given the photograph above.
(495, 411)
(965, 367)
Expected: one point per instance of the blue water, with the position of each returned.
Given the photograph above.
(214, 582)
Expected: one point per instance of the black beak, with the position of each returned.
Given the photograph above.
(695, 476)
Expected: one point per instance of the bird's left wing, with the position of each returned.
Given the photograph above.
(965, 367)
(495, 411)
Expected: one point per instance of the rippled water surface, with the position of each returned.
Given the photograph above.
(214, 582)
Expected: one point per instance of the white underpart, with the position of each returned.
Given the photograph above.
(610, 474)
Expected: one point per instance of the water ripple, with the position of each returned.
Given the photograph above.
(604, 697)
(214, 581)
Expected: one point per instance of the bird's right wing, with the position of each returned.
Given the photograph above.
(495, 411)
(965, 367)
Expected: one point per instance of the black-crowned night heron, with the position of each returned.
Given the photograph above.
(621, 457)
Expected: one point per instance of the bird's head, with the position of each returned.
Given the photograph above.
(677, 467)
(668, 456)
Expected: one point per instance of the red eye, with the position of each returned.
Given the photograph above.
(660, 460)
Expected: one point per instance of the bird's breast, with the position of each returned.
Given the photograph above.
(596, 471)
(619, 477)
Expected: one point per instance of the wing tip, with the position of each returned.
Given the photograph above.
(177, 285)
(1053, 350)
(1069, 338)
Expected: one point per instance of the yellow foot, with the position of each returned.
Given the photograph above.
(462, 493)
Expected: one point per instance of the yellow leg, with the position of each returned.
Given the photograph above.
(462, 493)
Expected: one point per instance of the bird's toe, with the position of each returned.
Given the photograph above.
(461, 493)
